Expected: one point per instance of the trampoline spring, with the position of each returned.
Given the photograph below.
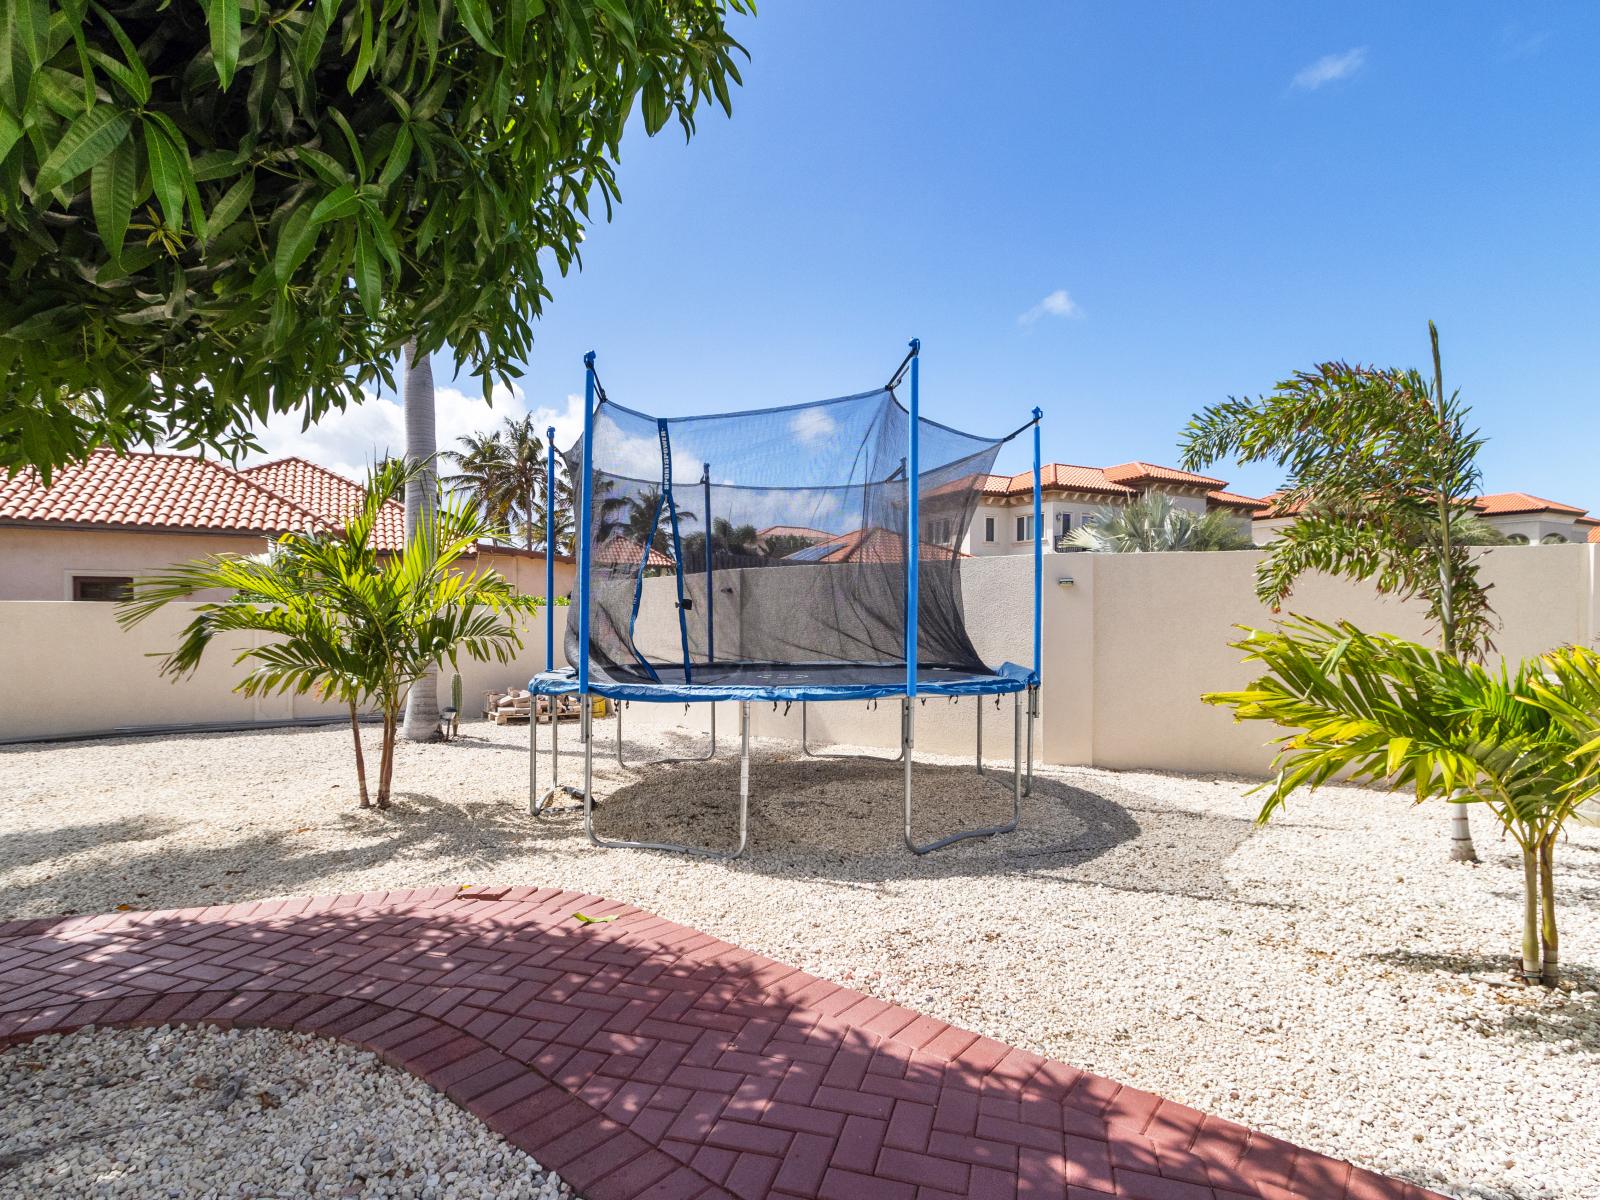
(787, 705)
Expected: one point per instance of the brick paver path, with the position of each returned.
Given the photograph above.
(642, 1059)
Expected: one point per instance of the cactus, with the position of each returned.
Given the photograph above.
(455, 703)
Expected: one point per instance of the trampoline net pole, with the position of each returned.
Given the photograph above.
(549, 553)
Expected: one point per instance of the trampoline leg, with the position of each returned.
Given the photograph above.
(979, 700)
(656, 762)
(1033, 715)
(1016, 784)
(805, 745)
(533, 759)
(744, 795)
(584, 717)
(907, 716)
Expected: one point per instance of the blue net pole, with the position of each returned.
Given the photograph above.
(677, 542)
(549, 550)
(1038, 547)
(705, 523)
(913, 528)
(585, 522)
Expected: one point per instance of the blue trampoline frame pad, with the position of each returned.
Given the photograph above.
(784, 681)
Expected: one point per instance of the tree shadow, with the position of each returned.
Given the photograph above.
(841, 821)
(159, 873)
(431, 984)
(1569, 1020)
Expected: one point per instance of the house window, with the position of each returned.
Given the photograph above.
(101, 587)
(940, 531)
(988, 529)
(1065, 520)
(1024, 529)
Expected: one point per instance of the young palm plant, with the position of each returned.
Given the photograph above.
(1152, 524)
(1522, 742)
(1382, 467)
(349, 622)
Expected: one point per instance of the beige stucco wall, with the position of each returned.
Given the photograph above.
(38, 564)
(1134, 640)
(1129, 647)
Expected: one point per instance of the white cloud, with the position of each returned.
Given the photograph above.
(350, 441)
(1330, 68)
(812, 425)
(1056, 304)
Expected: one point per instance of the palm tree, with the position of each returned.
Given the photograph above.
(523, 474)
(349, 623)
(422, 500)
(480, 473)
(1382, 465)
(1152, 523)
(641, 518)
(1380, 709)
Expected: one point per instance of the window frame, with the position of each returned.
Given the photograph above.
(77, 581)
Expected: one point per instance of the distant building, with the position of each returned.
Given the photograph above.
(1525, 519)
(1075, 496)
(103, 523)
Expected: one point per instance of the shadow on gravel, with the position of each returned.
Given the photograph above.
(840, 820)
(256, 865)
(1555, 1017)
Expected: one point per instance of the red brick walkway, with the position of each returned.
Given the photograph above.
(642, 1059)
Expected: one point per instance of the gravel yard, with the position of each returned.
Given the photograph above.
(1320, 979)
(257, 1114)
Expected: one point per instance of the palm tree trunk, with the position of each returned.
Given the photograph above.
(1530, 914)
(1461, 847)
(422, 701)
(1550, 975)
(361, 761)
(386, 760)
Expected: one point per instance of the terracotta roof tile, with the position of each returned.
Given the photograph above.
(152, 491)
(1234, 500)
(1506, 503)
(1143, 472)
(330, 495)
(799, 531)
(870, 545)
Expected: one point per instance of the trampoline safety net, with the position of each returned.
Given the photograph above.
(778, 537)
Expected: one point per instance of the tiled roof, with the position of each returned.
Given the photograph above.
(152, 491)
(1113, 481)
(870, 545)
(1060, 476)
(1594, 534)
(621, 550)
(1143, 472)
(330, 495)
(799, 531)
(1506, 503)
(1495, 504)
(1234, 500)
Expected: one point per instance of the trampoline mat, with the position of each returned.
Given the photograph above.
(781, 681)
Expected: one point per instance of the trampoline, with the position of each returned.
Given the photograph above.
(794, 555)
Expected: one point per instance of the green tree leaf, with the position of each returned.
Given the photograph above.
(223, 18)
(369, 274)
(295, 240)
(167, 172)
(87, 140)
(111, 194)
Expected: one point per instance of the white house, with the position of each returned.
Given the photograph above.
(1074, 496)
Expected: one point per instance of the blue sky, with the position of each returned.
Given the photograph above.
(1118, 212)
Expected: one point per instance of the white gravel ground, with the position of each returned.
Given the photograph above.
(200, 1114)
(1320, 979)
